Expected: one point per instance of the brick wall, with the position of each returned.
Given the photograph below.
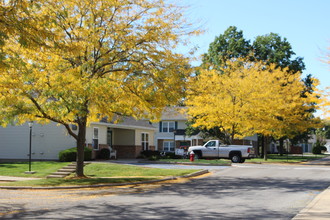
(296, 150)
(160, 144)
(129, 151)
(96, 152)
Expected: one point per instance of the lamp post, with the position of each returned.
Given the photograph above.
(30, 148)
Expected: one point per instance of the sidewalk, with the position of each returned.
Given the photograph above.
(14, 178)
(319, 208)
(325, 161)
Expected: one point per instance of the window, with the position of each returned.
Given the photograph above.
(95, 142)
(167, 126)
(109, 137)
(74, 127)
(168, 146)
(211, 144)
(145, 141)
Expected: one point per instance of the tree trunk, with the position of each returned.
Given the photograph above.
(262, 146)
(80, 147)
(265, 148)
(281, 146)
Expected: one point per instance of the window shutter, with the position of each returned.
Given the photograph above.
(176, 125)
(160, 126)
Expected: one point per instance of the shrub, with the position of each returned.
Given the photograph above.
(171, 155)
(69, 155)
(150, 154)
(318, 148)
(104, 153)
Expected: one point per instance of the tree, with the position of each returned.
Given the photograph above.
(229, 45)
(246, 98)
(215, 132)
(326, 103)
(269, 48)
(101, 58)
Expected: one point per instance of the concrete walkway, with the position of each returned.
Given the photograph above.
(319, 208)
(14, 178)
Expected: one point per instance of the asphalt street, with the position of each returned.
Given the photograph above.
(244, 191)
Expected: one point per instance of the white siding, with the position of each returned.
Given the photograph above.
(102, 133)
(138, 136)
(182, 125)
(47, 141)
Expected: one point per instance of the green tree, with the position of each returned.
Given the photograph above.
(271, 48)
(229, 45)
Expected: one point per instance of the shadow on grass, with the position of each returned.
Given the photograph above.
(12, 165)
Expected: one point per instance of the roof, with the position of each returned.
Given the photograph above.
(174, 113)
(126, 123)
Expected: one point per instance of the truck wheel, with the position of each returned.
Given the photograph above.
(198, 155)
(242, 160)
(236, 158)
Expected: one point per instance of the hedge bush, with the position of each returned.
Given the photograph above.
(318, 148)
(69, 155)
(171, 155)
(156, 155)
(150, 155)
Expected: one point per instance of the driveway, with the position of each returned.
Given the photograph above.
(245, 191)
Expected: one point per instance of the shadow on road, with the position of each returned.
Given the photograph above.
(132, 212)
(183, 201)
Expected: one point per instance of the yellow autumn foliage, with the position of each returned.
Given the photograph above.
(101, 57)
(76, 61)
(248, 98)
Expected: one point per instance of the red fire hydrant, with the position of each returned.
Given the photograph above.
(192, 156)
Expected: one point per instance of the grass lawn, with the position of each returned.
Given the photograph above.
(276, 158)
(98, 173)
(214, 161)
(42, 168)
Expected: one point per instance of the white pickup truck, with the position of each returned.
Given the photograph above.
(215, 149)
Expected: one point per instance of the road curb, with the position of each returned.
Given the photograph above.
(198, 173)
(184, 163)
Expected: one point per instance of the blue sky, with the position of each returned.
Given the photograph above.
(305, 24)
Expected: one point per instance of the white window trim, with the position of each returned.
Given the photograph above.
(145, 141)
(96, 138)
(169, 147)
(168, 126)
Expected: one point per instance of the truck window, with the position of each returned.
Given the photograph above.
(210, 144)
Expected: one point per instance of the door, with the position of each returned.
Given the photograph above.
(211, 149)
